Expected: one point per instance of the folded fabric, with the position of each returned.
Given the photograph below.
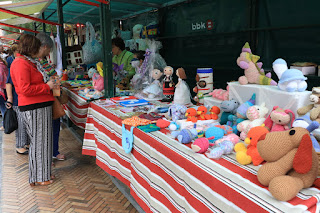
(136, 121)
(153, 116)
(149, 128)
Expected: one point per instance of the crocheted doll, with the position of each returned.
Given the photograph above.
(279, 119)
(168, 84)
(182, 94)
(154, 89)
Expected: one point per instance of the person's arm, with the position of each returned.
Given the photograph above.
(22, 79)
(131, 70)
(9, 95)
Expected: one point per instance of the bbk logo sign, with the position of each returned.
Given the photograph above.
(203, 25)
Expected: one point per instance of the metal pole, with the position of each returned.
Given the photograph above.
(35, 27)
(61, 31)
(43, 24)
(105, 24)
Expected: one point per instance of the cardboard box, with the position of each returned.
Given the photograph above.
(310, 70)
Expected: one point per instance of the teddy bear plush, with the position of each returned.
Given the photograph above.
(291, 162)
(313, 108)
(253, 72)
(279, 119)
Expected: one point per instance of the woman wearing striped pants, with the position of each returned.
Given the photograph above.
(34, 89)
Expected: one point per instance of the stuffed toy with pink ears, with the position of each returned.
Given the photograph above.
(279, 119)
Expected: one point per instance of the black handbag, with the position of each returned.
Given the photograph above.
(10, 121)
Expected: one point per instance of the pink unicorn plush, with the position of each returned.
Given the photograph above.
(253, 72)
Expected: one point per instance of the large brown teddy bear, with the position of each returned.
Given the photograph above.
(314, 108)
(292, 163)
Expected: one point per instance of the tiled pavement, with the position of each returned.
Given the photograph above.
(80, 185)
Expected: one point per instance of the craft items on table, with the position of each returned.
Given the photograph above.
(204, 86)
(253, 72)
(229, 137)
(174, 126)
(314, 107)
(220, 94)
(202, 113)
(214, 112)
(163, 123)
(191, 115)
(246, 155)
(185, 135)
(168, 84)
(152, 116)
(182, 94)
(306, 123)
(149, 128)
(292, 163)
(256, 116)
(136, 121)
(229, 108)
(154, 90)
(214, 133)
(122, 98)
(177, 112)
(90, 93)
(132, 103)
(201, 145)
(224, 148)
(279, 119)
(127, 139)
(234, 120)
(290, 80)
(91, 71)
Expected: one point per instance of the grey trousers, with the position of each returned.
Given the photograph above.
(38, 123)
(22, 137)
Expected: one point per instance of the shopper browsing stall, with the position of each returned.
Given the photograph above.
(121, 60)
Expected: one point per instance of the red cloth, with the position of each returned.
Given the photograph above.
(28, 82)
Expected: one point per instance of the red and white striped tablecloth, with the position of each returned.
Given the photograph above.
(166, 176)
(76, 108)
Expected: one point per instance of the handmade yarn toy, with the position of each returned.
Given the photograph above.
(177, 112)
(97, 82)
(292, 163)
(314, 107)
(306, 123)
(214, 113)
(201, 145)
(202, 113)
(162, 123)
(154, 90)
(224, 148)
(228, 108)
(174, 126)
(253, 72)
(191, 115)
(234, 120)
(185, 136)
(256, 115)
(91, 71)
(168, 84)
(290, 80)
(246, 155)
(230, 137)
(220, 94)
(216, 132)
(279, 119)
(182, 94)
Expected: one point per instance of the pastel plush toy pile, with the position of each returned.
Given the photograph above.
(314, 107)
(253, 72)
(292, 163)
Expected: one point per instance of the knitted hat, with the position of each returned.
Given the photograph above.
(246, 48)
(242, 109)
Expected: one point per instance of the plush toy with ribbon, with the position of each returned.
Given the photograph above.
(279, 119)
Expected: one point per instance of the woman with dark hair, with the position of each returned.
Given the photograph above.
(35, 99)
(121, 58)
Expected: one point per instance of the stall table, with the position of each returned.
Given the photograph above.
(166, 176)
(76, 108)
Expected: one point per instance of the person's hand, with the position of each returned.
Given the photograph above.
(9, 104)
(51, 83)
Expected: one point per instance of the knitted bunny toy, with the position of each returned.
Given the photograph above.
(279, 119)
(292, 163)
(256, 115)
(253, 72)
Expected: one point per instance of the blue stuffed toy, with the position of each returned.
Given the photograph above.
(185, 136)
(228, 108)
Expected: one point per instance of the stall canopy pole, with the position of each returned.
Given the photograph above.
(35, 27)
(21, 28)
(105, 24)
(10, 31)
(43, 24)
(61, 32)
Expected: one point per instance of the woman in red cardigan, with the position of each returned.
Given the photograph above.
(34, 89)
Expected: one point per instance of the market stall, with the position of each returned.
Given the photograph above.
(167, 176)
